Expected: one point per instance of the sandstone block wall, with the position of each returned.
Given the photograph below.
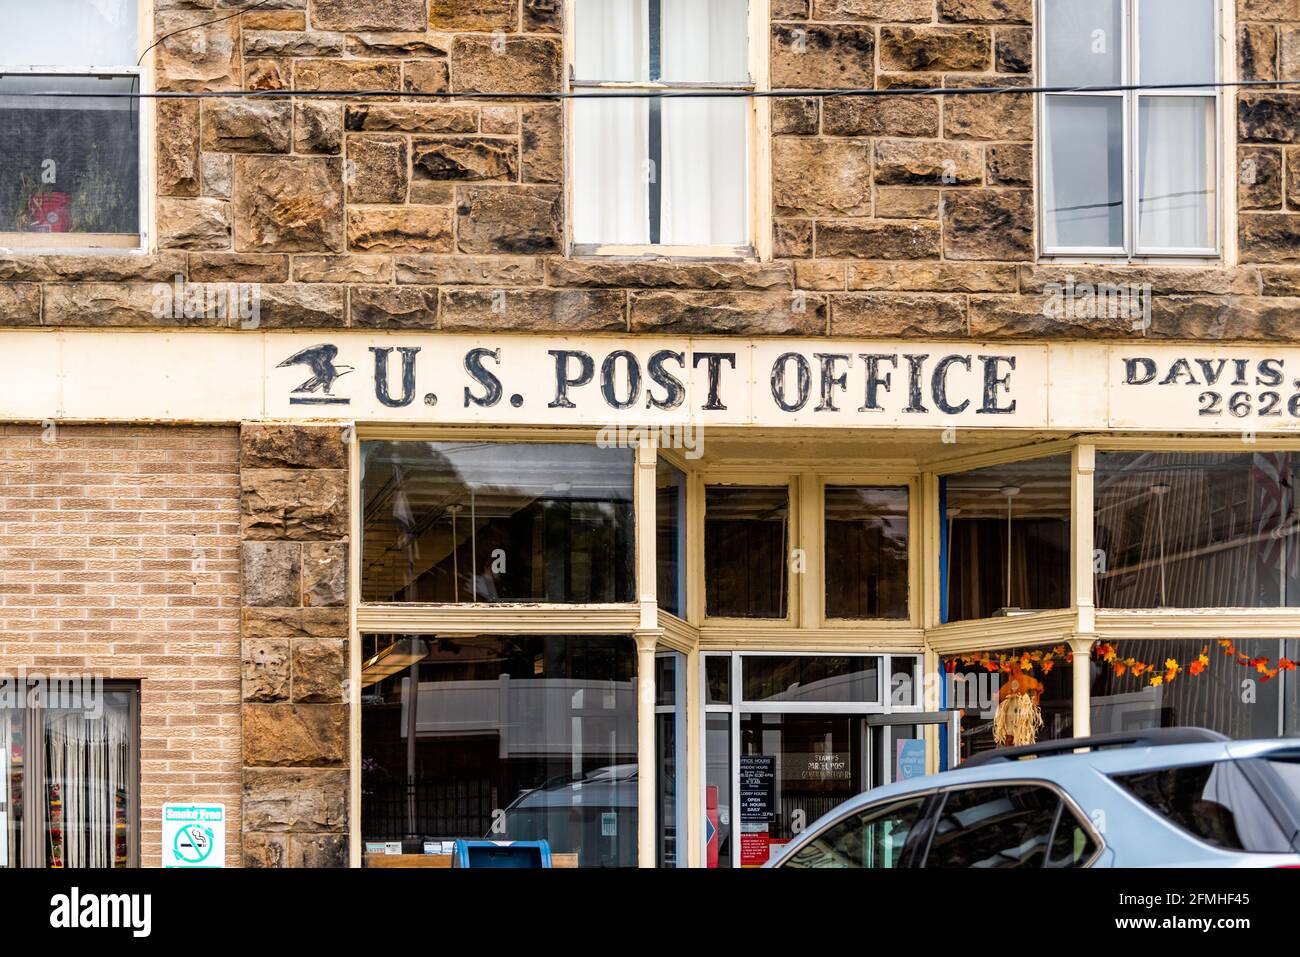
(294, 574)
(892, 216)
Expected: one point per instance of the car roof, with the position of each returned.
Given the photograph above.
(1058, 768)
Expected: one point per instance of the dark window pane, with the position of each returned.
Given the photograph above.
(1007, 541)
(874, 838)
(670, 535)
(665, 680)
(90, 146)
(904, 688)
(1193, 684)
(670, 843)
(1193, 530)
(793, 767)
(717, 789)
(1007, 826)
(746, 539)
(1214, 802)
(494, 522)
(513, 738)
(866, 552)
(717, 679)
(811, 678)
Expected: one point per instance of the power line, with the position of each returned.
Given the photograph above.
(642, 93)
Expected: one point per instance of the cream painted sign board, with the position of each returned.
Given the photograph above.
(521, 380)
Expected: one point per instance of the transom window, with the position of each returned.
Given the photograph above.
(670, 171)
(1135, 172)
(70, 165)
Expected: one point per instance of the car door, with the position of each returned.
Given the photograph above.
(888, 834)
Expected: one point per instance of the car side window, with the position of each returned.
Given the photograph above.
(872, 838)
(1214, 802)
(994, 826)
(1072, 844)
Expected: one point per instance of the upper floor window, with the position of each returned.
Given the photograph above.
(70, 162)
(1130, 172)
(672, 171)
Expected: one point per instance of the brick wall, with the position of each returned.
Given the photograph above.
(894, 217)
(119, 556)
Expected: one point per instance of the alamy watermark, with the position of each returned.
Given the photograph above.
(687, 437)
(209, 300)
(1103, 300)
(32, 689)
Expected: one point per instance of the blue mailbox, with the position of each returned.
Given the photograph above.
(503, 854)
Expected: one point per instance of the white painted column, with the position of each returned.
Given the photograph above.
(645, 749)
(1082, 648)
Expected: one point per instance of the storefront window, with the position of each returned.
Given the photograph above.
(68, 791)
(717, 679)
(814, 730)
(670, 544)
(497, 522)
(511, 738)
(670, 756)
(808, 678)
(866, 552)
(1010, 697)
(1006, 539)
(746, 540)
(1244, 689)
(1193, 530)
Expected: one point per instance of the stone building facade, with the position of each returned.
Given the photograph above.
(897, 218)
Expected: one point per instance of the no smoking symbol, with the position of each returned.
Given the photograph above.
(193, 844)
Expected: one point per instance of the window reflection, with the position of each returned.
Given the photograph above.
(866, 552)
(511, 738)
(670, 544)
(1197, 530)
(1006, 539)
(746, 539)
(496, 522)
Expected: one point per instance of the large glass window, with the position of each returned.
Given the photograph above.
(670, 538)
(1010, 696)
(717, 790)
(1130, 171)
(70, 163)
(746, 542)
(68, 795)
(811, 678)
(1006, 539)
(1197, 530)
(509, 738)
(656, 171)
(866, 552)
(1243, 688)
(497, 522)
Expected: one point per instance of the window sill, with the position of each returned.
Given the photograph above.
(52, 243)
(592, 251)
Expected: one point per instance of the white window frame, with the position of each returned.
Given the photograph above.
(757, 148)
(1131, 251)
(63, 243)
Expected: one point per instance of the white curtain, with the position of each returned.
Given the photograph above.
(87, 781)
(611, 139)
(1177, 172)
(705, 161)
